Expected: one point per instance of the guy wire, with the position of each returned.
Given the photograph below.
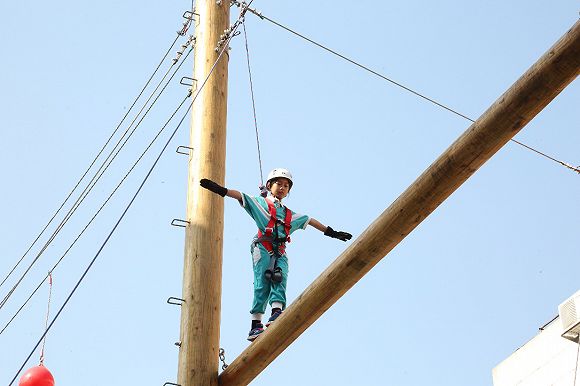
(94, 181)
(90, 166)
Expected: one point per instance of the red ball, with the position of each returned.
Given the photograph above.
(37, 376)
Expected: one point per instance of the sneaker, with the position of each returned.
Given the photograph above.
(254, 332)
(273, 317)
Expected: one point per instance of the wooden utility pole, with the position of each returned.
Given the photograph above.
(511, 112)
(202, 271)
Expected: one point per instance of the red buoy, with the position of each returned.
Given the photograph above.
(37, 376)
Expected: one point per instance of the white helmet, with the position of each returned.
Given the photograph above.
(280, 172)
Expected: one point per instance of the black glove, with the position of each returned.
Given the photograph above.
(213, 186)
(344, 236)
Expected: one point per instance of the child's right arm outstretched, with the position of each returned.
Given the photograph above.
(218, 189)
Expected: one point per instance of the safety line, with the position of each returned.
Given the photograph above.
(223, 49)
(261, 16)
(253, 105)
(97, 176)
(91, 164)
(47, 316)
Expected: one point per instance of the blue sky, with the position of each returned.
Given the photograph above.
(468, 287)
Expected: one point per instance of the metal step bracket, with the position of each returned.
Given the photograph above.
(188, 81)
(179, 223)
(179, 150)
(175, 301)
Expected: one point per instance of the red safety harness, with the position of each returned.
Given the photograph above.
(266, 238)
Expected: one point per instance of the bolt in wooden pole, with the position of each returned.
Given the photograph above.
(200, 315)
(510, 113)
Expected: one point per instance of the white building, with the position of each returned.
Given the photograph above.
(549, 359)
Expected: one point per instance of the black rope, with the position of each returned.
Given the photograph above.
(253, 104)
(97, 176)
(261, 16)
(90, 166)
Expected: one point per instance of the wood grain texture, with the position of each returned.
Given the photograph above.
(202, 272)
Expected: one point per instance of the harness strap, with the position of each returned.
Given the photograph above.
(266, 238)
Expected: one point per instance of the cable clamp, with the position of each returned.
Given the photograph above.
(252, 10)
(188, 16)
(183, 47)
(576, 169)
(227, 35)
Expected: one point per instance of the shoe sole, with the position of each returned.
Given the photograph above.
(252, 338)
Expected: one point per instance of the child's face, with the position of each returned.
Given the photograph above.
(280, 188)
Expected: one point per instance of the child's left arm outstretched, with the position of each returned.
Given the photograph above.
(328, 231)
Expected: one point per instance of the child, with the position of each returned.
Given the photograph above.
(275, 224)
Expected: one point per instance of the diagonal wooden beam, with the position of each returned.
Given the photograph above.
(558, 67)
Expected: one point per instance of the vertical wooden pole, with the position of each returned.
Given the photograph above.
(200, 315)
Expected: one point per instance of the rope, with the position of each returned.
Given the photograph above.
(261, 16)
(102, 169)
(90, 166)
(102, 206)
(47, 316)
(221, 52)
(253, 105)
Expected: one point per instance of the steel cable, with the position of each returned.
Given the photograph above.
(101, 170)
(100, 209)
(253, 104)
(223, 49)
(261, 16)
(90, 166)
(106, 239)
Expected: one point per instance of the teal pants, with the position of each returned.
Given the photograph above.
(266, 291)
